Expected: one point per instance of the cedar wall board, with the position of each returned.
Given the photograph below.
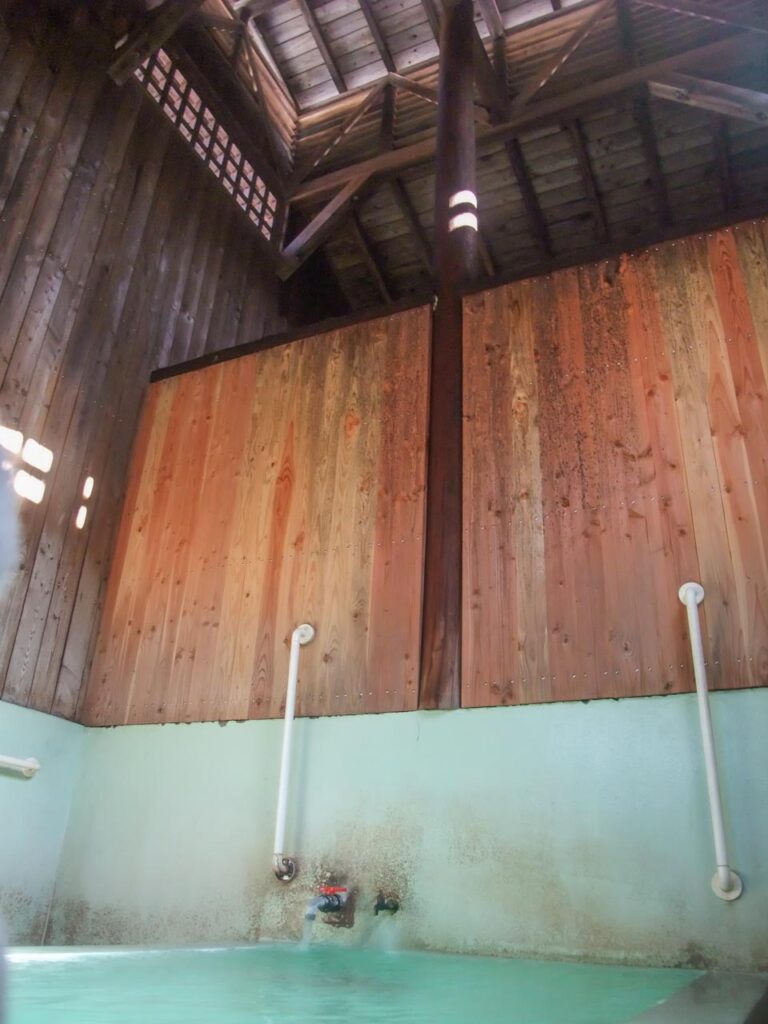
(119, 252)
(615, 446)
(280, 487)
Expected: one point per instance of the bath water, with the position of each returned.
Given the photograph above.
(280, 984)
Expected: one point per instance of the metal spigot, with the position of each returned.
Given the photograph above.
(386, 905)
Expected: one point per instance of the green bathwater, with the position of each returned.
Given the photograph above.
(276, 984)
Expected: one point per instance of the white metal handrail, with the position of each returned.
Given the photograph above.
(725, 882)
(283, 865)
(26, 766)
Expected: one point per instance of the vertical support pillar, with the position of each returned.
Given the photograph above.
(456, 263)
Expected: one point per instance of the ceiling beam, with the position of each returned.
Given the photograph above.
(387, 129)
(537, 114)
(531, 203)
(642, 116)
(728, 100)
(492, 17)
(406, 207)
(433, 17)
(259, 73)
(428, 93)
(317, 34)
(702, 10)
(578, 143)
(319, 228)
(365, 248)
(156, 30)
(378, 37)
(549, 68)
(721, 142)
(322, 151)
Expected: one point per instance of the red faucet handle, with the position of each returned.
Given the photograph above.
(332, 890)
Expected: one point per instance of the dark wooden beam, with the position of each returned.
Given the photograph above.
(540, 113)
(528, 192)
(221, 22)
(378, 37)
(317, 34)
(455, 267)
(365, 247)
(728, 100)
(426, 92)
(259, 76)
(721, 142)
(486, 256)
(319, 228)
(387, 129)
(149, 37)
(270, 63)
(549, 69)
(492, 17)
(433, 17)
(319, 154)
(404, 204)
(578, 142)
(702, 10)
(641, 113)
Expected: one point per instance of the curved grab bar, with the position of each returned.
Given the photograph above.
(284, 866)
(725, 883)
(26, 766)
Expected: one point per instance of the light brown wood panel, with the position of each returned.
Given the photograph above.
(116, 246)
(279, 487)
(616, 445)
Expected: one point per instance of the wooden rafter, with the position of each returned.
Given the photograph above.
(492, 17)
(377, 35)
(365, 247)
(325, 148)
(269, 60)
(721, 142)
(486, 256)
(320, 227)
(317, 34)
(428, 93)
(578, 142)
(411, 218)
(528, 192)
(259, 77)
(703, 11)
(539, 113)
(550, 67)
(149, 37)
(641, 113)
(642, 116)
(387, 129)
(728, 100)
(433, 17)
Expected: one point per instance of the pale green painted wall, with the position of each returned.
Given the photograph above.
(33, 815)
(562, 830)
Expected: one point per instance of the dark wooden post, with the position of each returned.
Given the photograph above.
(456, 259)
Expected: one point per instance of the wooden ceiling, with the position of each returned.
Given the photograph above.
(601, 124)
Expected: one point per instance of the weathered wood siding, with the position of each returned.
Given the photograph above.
(616, 445)
(119, 252)
(281, 487)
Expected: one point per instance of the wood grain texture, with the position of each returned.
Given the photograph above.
(119, 253)
(281, 487)
(616, 445)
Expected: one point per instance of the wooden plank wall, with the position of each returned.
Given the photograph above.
(616, 445)
(280, 487)
(119, 252)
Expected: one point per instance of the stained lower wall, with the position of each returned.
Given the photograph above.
(34, 814)
(566, 830)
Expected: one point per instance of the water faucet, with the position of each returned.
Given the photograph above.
(331, 899)
(386, 904)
